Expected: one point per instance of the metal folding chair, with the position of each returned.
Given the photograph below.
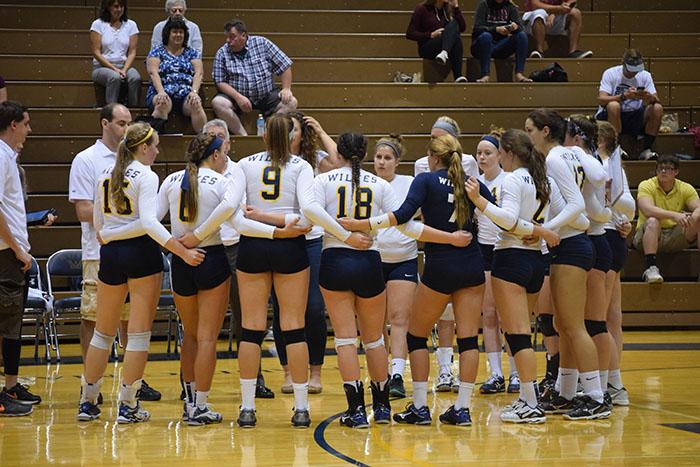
(37, 311)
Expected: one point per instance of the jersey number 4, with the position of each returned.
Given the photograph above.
(363, 203)
(107, 210)
(271, 177)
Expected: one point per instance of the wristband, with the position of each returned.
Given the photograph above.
(379, 222)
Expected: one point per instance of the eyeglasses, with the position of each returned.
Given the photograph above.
(666, 168)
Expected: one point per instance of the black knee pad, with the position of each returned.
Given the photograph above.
(518, 342)
(546, 325)
(294, 336)
(416, 343)
(467, 343)
(595, 327)
(254, 337)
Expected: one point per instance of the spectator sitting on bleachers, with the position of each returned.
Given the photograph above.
(555, 17)
(628, 100)
(669, 215)
(436, 25)
(176, 9)
(176, 76)
(498, 33)
(3, 90)
(113, 37)
(242, 71)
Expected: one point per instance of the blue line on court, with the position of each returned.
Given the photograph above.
(321, 441)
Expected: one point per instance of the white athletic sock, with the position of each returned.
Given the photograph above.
(557, 383)
(301, 396)
(495, 363)
(248, 393)
(127, 392)
(569, 380)
(513, 367)
(444, 359)
(89, 392)
(464, 395)
(604, 380)
(202, 398)
(397, 366)
(615, 379)
(591, 385)
(528, 394)
(420, 394)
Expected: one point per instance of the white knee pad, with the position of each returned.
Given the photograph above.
(448, 314)
(101, 341)
(341, 341)
(138, 341)
(374, 344)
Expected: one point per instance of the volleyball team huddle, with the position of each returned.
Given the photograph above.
(541, 211)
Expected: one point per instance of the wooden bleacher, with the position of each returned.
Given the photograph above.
(345, 54)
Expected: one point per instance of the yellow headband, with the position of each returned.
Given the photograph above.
(142, 140)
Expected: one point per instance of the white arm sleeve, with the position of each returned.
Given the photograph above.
(625, 205)
(596, 174)
(147, 209)
(251, 228)
(311, 207)
(98, 219)
(233, 195)
(596, 211)
(389, 203)
(573, 204)
(507, 215)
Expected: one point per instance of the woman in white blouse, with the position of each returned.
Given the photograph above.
(113, 39)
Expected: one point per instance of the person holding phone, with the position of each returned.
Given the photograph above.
(554, 17)
(627, 99)
(498, 33)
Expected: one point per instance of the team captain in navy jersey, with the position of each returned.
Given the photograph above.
(455, 273)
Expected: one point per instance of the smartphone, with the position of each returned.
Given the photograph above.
(509, 27)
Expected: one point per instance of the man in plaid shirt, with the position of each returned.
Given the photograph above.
(243, 69)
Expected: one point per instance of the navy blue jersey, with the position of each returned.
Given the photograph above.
(433, 194)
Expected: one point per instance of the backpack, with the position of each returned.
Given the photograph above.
(554, 73)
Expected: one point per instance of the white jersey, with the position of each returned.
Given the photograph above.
(395, 247)
(12, 198)
(488, 231)
(595, 177)
(141, 192)
(468, 164)
(565, 168)
(375, 197)
(623, 209)
(286, 190)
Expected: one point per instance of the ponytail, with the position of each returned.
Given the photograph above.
(200, 148)
(279, 132)
(136, 134)
(448, 149)
(519, 143)
(308, 146)
(353, 147)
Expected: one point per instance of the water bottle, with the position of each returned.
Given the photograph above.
(260, 123)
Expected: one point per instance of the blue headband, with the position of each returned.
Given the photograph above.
(447, 126)
(491, 139)
(213, 146)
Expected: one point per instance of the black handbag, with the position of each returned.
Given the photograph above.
(554, 73)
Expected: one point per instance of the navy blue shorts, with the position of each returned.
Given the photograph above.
(602, 251)
(133, 258)
(632, 121)
(487, 255)
(344, 269)
(518, 266)
(213, 271)
(449, 272)
(403, 271)
(574, 251)
(547, 258)
(281, 255)
(618, 247)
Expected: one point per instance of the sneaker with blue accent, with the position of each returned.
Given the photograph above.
(459, 417)
(414, 416)
(493, 385)
(132, 414)
(87, 411)
(203, 416)
(382, 414)
(514, 383)
(355, 418)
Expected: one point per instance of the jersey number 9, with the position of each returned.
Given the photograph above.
(363, 203)
(271, 177)
(107, 210)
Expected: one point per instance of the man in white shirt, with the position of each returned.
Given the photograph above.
(176, 9)
(628, 100)
(15, 260)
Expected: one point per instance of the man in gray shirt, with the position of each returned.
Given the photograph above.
(176, 9)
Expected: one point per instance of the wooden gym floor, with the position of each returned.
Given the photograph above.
(660, 427)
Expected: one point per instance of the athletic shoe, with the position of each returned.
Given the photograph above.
(132, 414)
(652, 275)
(442, 57)
(459, 417)
(355, 418)
(100, 400)
(588, 409)
(535, 54)
(87, 411)
(461, 79)
(648, 155)
(20, 394)
(147, 393)
(444, 382)
(382, 414)
(414, 416)
(205, 416)
(381, 406)
(514, 383)
(455, 385)
(396, 387)
(301, 419)
(520, 412)
(581, 54)
(246, 418)
(493, 385)
(559, 405)
(262, 391)
(579, 389)
(186, 407)
(547, 384)
(619, 396)
(11, 408)
(607, 400)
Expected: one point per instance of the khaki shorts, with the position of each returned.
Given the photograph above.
(88, 299)
(671, 240)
